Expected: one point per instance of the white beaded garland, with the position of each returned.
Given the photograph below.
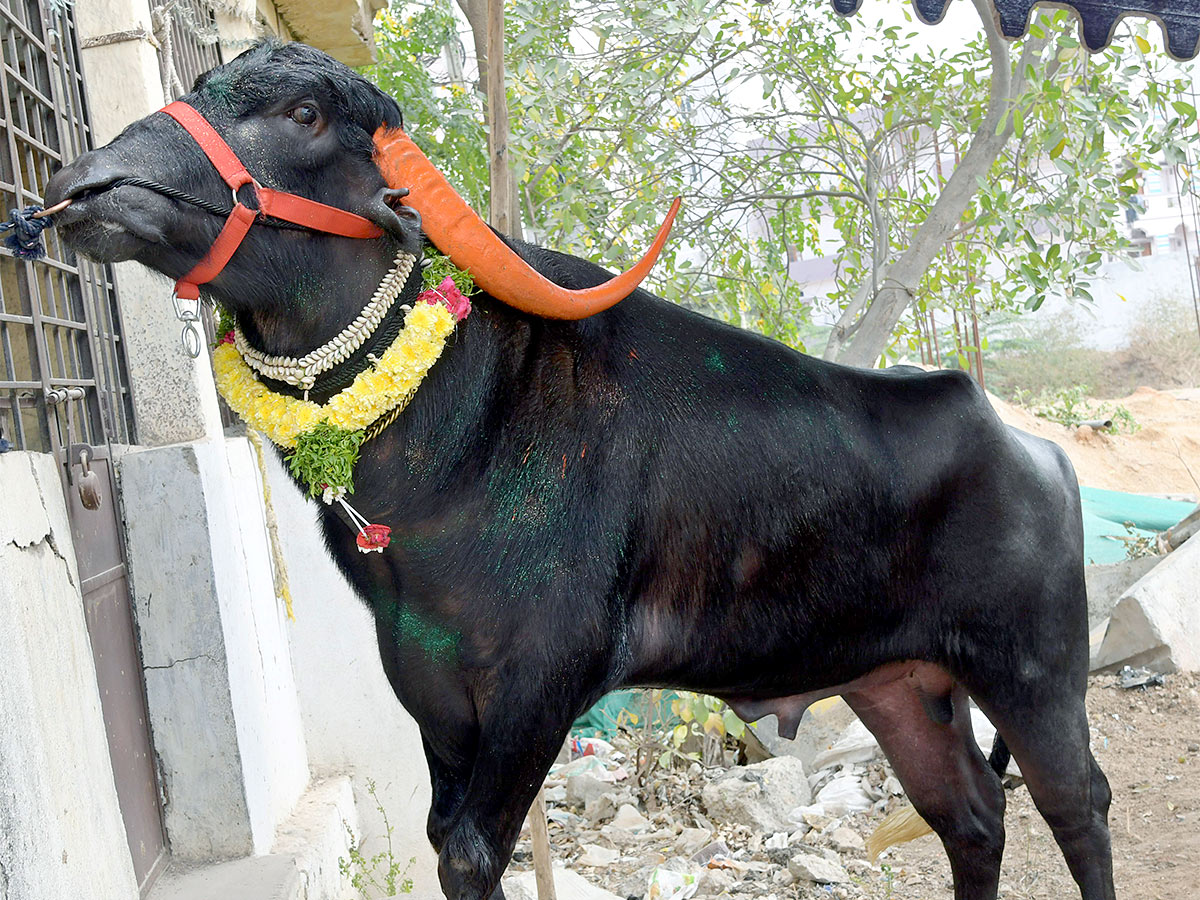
(303, 372)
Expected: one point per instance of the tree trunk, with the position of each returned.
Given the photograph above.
(869, 337)
(486, 18)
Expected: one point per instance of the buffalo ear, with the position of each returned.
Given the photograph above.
(401, 222)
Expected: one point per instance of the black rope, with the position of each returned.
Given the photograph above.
(216, 209)
(25, 241)
(174, 193)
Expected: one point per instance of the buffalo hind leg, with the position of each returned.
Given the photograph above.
(1049, 739)
(923, 724)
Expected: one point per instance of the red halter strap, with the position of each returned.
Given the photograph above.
(277, 204)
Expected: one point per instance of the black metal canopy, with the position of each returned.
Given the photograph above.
(1180, 19)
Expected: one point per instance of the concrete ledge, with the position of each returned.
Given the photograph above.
(302, 865)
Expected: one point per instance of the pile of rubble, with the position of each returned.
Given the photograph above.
(768, 829)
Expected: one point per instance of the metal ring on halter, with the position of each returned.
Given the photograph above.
(190, 335)
(192, 342)
(255, 188)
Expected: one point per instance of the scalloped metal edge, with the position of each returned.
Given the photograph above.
(1098, 19)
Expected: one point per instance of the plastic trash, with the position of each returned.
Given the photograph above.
(1130, 678)
(845, 794)
(667, 885)
(856, 745)
(591, 746)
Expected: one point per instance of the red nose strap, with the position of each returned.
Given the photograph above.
(277, 204)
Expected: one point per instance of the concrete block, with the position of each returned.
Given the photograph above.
(761, 795)
(1156, 623)
(303, 864)
(219, 684)
(1106, 584)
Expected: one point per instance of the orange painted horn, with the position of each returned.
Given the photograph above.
(456, 230)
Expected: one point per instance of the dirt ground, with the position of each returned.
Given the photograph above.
(1148, 744)
(1162, 458)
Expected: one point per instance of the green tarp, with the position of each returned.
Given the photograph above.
(1106, 512)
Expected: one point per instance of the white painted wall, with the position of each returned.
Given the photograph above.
(265, 705)
(353, 723)
(61, 833)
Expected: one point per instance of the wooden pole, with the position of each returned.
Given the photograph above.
(543, 873)
(497, 110)
(937, 347)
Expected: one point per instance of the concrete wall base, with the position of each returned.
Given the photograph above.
(303, 864)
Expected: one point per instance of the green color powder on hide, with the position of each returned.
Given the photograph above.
(438, 642)
(714, 361)
(220, 88)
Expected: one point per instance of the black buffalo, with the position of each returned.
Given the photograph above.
(648, 497)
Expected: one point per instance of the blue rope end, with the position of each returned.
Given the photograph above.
(25, 233)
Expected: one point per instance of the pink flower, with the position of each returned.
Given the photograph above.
(373, 538)
(228, 338)
(448, 294)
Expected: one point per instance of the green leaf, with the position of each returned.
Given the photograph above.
(733, 725)
(1184, 109)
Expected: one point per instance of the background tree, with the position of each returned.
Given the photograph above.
(987, 176)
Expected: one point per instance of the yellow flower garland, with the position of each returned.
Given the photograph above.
(390, 383)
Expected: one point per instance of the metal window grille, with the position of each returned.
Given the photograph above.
(60, 330)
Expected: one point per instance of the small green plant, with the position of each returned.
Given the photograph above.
(1070, 406)
(1067, 406)
(708, 717)
(380, 875)
(889, 878)
(1137, 545)
(1123, 420)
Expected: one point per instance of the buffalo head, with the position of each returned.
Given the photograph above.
(301, 122)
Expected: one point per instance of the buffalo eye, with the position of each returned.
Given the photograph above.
(304, 114)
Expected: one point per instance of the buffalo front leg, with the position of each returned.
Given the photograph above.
(448, 783)
(510, 765)
(923, 724)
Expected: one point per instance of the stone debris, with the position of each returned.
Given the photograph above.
(583, 789)
(629, 819)
(595, 855)
(692, 839)
(846, 840)
(747, 832)
(817, 869)
(568, 885)
(760, 795)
